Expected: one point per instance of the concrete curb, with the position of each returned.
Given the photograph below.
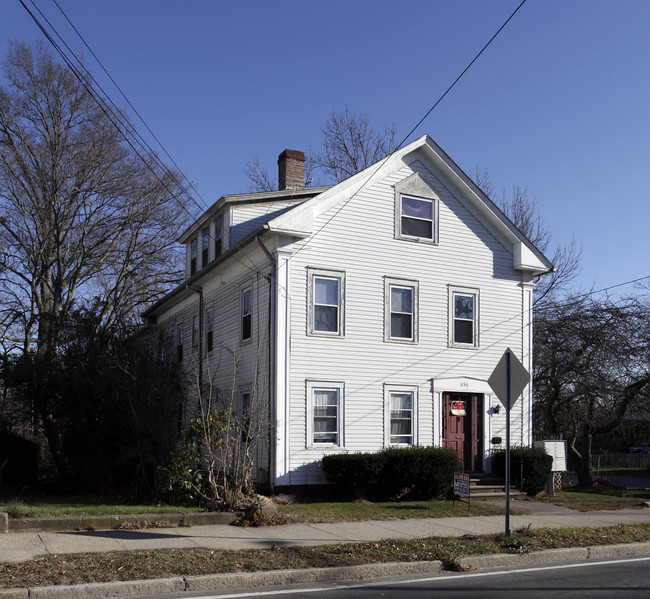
(276, 577)
(213, 582)
(279, 577)
(553, 555)
(72, 523)
(109, 589)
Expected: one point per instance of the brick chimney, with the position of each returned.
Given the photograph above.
(291, 170)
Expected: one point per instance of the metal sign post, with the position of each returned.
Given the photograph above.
(508, 380)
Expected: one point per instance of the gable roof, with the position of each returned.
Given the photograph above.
(298, 221)
(526, 257)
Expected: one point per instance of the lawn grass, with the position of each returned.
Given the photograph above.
(597, 498)
(19, 503)
(366, 510)
(164, 563)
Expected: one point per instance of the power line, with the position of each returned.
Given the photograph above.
(383, 161)
(123, 120)
(127, 100)
(113, 114)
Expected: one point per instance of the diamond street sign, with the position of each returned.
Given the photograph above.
(519, 378)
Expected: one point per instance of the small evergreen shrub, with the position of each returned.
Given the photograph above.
(353, 473)
(418, 472)
(531, 463)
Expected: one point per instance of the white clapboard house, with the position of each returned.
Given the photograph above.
(363, 315)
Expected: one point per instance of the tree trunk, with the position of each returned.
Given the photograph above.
(585, 478)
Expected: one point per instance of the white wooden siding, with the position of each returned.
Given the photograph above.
(359, 239)
(232, 364)
(248, 217)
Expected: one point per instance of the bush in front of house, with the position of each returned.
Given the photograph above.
(418, 472)
(394, 473)
(529, 468)
(353, 473)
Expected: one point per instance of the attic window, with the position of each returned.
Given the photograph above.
(417, 218)
(416, 210)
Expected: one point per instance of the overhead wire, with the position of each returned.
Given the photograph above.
(365, 184)
(105, 103)
(99, 62)
(380, 164)
(119, 120)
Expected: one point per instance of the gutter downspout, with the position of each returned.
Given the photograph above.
(273, 287)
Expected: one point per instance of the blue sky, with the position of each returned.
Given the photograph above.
(559, 102)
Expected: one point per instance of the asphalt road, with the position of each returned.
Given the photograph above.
(620, 579)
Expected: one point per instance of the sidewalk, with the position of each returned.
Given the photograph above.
(28, 545)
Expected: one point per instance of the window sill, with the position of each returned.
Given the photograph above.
(463, 346)
(324, 335)
(424, 240)
(401, 341)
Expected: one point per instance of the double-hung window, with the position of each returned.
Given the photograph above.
(326, 303)
(193, 250)
(401, 408)
(246, 314)
(217, 238)
(401, 301)
(195, 330)
(179, 342)
(205, 246)
(417, 218)
(416, 210)
(463, 317)
(209, 319)
(325, 420)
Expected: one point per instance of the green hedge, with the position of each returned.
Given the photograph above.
(533, 463)
(409, 473)
(353, 473)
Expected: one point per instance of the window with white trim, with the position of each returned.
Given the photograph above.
(417, 218)
(195, 330)
(416, 210)
(401, 409)
(217, 238)
(325, 410)
(463, 317)
(326, 302)
(209, 319)
(179, 342)
(401, 302)
(246, 314)
(205, 246)
(193, 249)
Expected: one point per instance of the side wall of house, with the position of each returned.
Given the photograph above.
(357, 240)
(234, 366)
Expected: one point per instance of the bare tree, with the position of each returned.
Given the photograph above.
(522, 209)
(218, 454)
(85, 219)
(592, 368)
(351, 144)
(258, 177)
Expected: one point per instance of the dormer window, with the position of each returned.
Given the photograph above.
(193, 249)
(205, 241)
(217, 238)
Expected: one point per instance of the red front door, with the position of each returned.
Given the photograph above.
(462, 428)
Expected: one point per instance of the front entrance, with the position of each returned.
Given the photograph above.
(462, 428)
